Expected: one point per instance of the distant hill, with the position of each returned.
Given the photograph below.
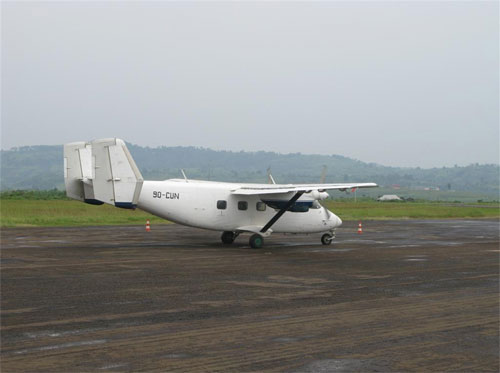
(40, 167)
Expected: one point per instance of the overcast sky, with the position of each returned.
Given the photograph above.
(397, 83)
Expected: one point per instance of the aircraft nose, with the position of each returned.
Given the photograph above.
(336, 220)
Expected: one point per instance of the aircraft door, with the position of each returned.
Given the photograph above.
(210, 211)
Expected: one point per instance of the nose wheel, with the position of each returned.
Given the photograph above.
(327, 238)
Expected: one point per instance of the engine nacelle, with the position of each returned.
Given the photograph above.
(317, 195)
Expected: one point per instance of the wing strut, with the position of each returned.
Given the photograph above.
(281, 212)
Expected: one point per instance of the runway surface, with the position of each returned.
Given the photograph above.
(403, 296)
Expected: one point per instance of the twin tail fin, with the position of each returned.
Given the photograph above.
(102, 171)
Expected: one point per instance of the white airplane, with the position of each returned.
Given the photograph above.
(103, 171)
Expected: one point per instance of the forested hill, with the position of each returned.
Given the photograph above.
(41, 167)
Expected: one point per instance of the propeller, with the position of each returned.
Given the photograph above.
(270, 178)
(323, 174)
(320, 195)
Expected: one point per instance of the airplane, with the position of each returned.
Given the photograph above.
(103, 171)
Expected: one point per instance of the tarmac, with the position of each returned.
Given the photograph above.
(414, 295)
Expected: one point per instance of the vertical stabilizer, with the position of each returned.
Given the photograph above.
(73, 175)
(79, 172)
(117, 180)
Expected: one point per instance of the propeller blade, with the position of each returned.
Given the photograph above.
(323, 174)
(270, 178)
(327, 213)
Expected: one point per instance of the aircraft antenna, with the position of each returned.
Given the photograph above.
(184, 174)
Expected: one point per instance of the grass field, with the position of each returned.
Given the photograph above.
(412, 210)
(40, 213)
(36, 213)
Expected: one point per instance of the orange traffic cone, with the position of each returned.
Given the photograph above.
(148, 227)
(360, 228)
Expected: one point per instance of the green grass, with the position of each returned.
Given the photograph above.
(42, 213)
(411, 210)
(34, 194)
(423, 195)
(39, 213)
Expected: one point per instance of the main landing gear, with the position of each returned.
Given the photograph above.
(256, 240)
(228, 237)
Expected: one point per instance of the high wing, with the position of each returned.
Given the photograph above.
(291, 193)
(304, 188)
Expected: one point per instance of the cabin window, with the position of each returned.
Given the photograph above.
(221, 205)
(261, 206)
(242, 205)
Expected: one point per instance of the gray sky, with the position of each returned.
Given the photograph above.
(397, 83)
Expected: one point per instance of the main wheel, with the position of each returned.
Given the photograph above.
(228, 237)
(326, 239)
(256, 241)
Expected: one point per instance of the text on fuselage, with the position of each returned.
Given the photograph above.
(167, 195)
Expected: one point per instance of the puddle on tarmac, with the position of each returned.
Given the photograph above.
(59, 346)
(343, 365)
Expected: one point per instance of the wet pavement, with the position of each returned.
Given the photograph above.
(403, 296)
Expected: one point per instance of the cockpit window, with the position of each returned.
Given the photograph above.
(261, 206)
(221, 204)
(242, 205)
(315, 205)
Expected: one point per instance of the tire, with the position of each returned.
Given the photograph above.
(326, 239)
(227, 237)
(256, 241)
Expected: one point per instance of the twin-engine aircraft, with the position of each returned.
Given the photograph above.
(103, 171)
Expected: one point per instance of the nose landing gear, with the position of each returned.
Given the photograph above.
(327, 238)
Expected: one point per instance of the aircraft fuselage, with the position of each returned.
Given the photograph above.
(211, 205)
